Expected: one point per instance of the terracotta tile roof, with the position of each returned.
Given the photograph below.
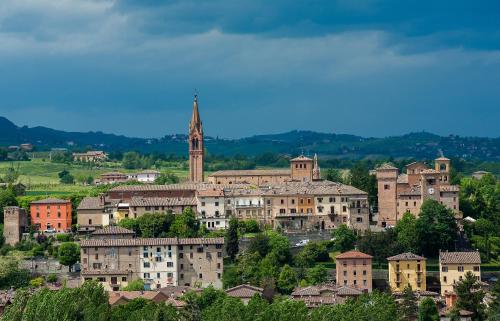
(90, 203)
(162, 201)
(472, 257)
(312, 188)
(244, 291)
(402, 179)
(314, 290)
(115, 296)
(111, 230)
(353, 255)
(170, 187)
(386, 166)
(348, 291)
(417, 293)
(252, 172)
(104, 272)
(212, 192)
(150, 242)
(177, 291)
(413, 191)
(301, 158)
(406, 257)
(51, 201)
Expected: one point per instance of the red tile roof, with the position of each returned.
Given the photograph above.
(353, 255)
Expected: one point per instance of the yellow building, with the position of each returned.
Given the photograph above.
(454, 265)
(407, 269)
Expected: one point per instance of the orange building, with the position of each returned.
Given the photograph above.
(51, 214)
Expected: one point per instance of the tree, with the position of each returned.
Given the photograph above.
(287, 280)
(11, 273)
(153, 224)
(185, 224)
(317, 274)
(344, 238)
(408, 306)
(428, 310)
(232, 246)
(65, 177)
(406, 231)
(486, 229)
(436, 228)
(167, 178)
(470, 297)
(132, 160)
(69, 254)
(135, 285)
(334, 175)
(494, 307)
(11, 175)
(7, 198)
(260, 244)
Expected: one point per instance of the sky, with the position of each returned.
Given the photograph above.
(371, 68)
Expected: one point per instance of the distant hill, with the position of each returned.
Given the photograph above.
(420, 145)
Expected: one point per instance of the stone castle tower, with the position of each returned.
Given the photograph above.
(196, 150)
(16, 222)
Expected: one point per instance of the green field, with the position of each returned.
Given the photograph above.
(41, 176)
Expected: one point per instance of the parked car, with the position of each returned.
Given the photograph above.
(302, 243)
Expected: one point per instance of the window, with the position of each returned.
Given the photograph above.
(181, 255)
(345, 273)
(216, 203)
(181, 276)
(218, 265)
(146, 275)
(444, 269)
(344, 208)
(364, 272)
(444, 279)
(202, 203)
(147, 265)
(219, 254)
(201, 276)
(282, 201)
(158, 275)
(218, 246)
(460, 268)
(359, 219)
(124, 279)
(158, 259)
(476, 268)
(364, 282)
(386, 186)
(170, 264)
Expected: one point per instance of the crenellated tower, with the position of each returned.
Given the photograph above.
(196, 149)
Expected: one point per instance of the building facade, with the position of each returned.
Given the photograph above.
(407, 269)
(94, 213)
(401, 193)
(210, 204)
(159, 262)
(51, 214)
(354, 269)
(90, 156)
(454, 265)
(15, 224)
(196, 146)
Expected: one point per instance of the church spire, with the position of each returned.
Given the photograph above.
(316, 170)
(195, 123)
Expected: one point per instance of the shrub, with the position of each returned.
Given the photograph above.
(37, 282)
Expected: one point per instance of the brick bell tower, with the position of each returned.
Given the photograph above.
(196, 151)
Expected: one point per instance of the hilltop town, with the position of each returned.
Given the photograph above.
(143, 244)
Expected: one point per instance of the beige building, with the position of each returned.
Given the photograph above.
(401, 193)
(94, 213)
(354, 269)
(15, 224)
(138, 206)
(454, 265)
(407, 269)
(90, 156)
(160, 262)
(315, 296)
(302, 169)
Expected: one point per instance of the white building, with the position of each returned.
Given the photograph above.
(146, 176)
(210, 204)
(158, 266)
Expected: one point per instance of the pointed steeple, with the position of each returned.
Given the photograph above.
(316, 170)
(195, 123)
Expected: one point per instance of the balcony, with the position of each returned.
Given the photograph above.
(249, 206)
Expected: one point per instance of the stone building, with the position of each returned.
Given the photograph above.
(196, 146)
(159, 262)
(354, 269)
(94, 213)
(15, 224)
(302, 169)
(401, 193)
(407, 269)
(315, 296)
(138, 206)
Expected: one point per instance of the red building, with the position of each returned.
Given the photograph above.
(51, 214)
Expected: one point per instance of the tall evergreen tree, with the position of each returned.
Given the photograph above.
(470, 297)
(428, 310)
(232, 246)
(408, 306)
